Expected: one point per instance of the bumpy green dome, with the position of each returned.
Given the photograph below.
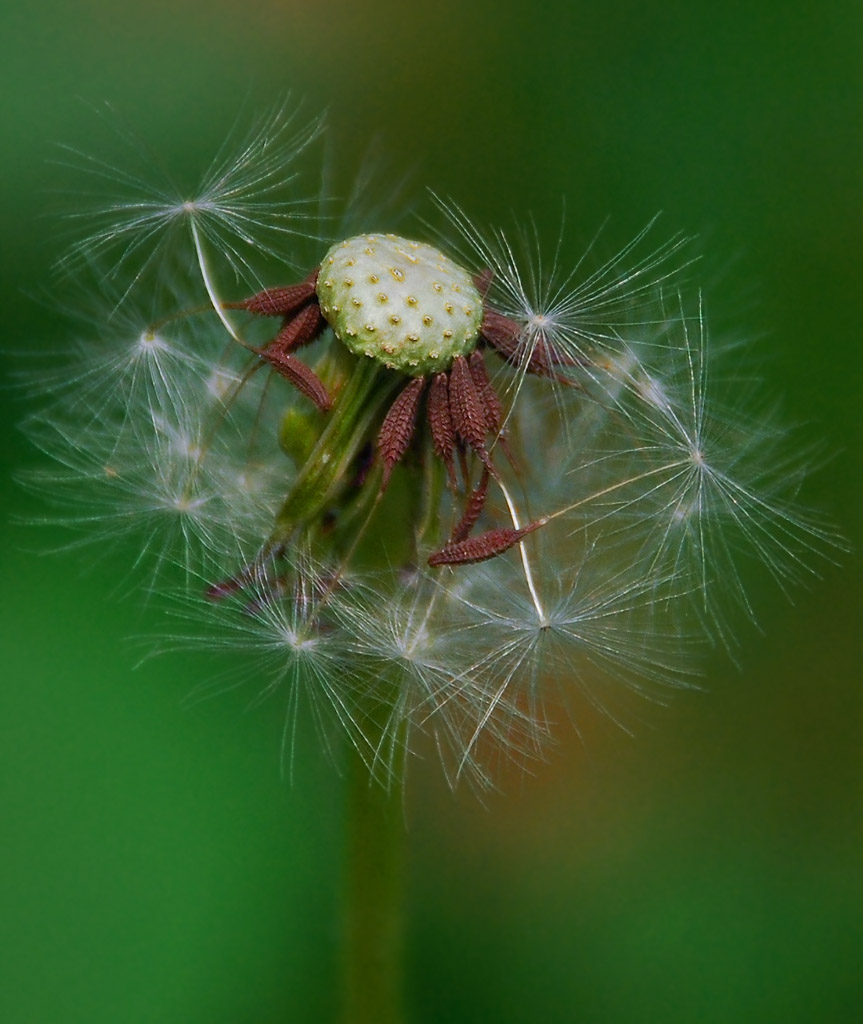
(401, 302)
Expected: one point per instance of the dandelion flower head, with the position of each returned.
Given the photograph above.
(430, 487)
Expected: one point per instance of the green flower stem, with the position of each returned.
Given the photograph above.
(355, 412)
(372, 992)
(373, 939)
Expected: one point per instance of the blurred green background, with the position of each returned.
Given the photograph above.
(154, 865)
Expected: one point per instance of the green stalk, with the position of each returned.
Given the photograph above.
(374, 841)
(374, 883)
(356, 410)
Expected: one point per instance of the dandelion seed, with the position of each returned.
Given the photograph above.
(155, 476)
(703, 486)
(275, 637)
(244, 207)
(416, 664)
(566, 315)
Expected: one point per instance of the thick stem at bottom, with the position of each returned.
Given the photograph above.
(374, 921)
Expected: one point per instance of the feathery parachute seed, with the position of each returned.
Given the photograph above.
(247, 207)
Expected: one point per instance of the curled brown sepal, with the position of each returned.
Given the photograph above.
(299, 330)
(483, 547)
(539, 357)
(472, 512)
(440, 422)
(482, 281)
(543, 359)
(491, 402)
(468, 413)
(502, 334)
(398, 426)
(278, 301)
(488, 396)
(304, 379)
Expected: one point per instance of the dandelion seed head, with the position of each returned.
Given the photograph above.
(426, 312)
(545, 430)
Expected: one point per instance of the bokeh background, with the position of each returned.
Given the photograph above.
(155, 866)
